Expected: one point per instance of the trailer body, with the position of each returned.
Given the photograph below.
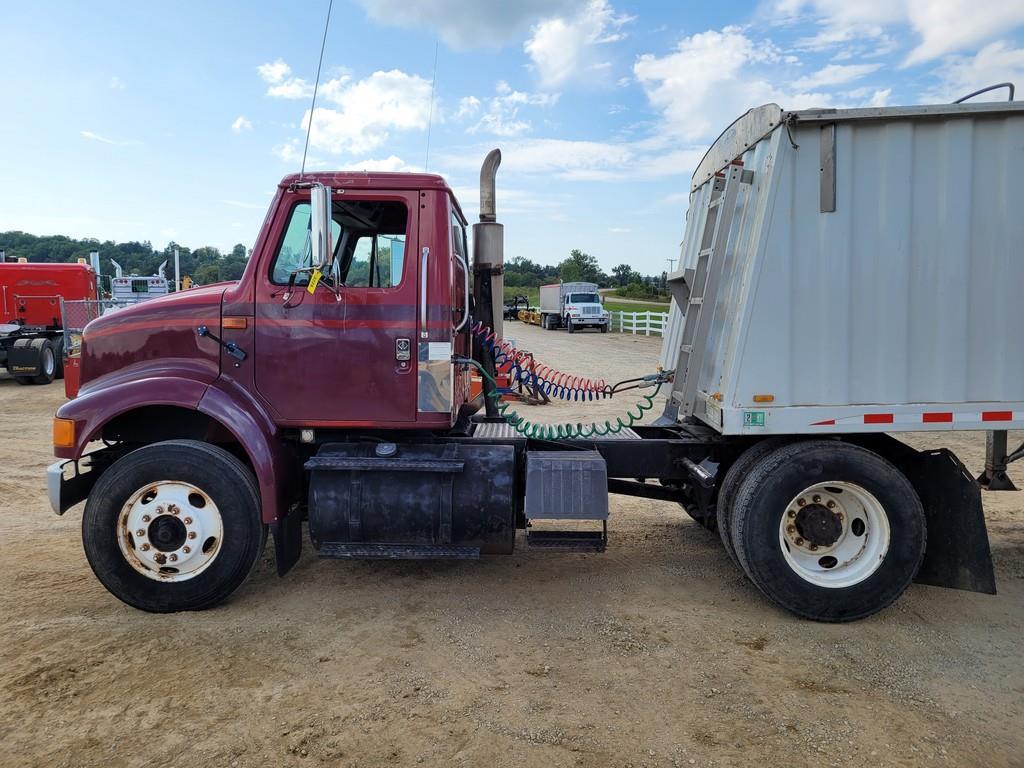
(31, 335)
(572, 305)
(870, 277)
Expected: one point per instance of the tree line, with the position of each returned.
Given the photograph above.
(204, 265)
(521, 272)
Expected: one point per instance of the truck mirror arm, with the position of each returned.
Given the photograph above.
(230, 347)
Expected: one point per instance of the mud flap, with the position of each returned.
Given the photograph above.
(958, 554)
(287, 533)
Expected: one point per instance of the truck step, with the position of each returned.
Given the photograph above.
(568, 541)
(369, 551)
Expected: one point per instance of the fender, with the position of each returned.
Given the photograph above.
(276, 468)
(91, 410)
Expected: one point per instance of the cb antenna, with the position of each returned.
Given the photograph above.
(430, 119)
(312, 108)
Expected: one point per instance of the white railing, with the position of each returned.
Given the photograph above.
(647, 323)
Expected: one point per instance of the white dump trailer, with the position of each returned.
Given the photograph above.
(845, 274)
(854, 270)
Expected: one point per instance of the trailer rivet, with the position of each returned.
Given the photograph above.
(816, 498)
(191, 534)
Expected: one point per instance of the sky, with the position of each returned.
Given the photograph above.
(175, 121)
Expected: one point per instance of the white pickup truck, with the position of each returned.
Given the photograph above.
(573, 305)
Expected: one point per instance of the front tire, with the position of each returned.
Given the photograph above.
(828, 530)
(174, 526)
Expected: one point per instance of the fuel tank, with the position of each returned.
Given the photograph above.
(399, 500)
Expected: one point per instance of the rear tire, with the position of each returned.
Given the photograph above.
(860, 516)
(47, 361)
(174, 526)
(735, 475)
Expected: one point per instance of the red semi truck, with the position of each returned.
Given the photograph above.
(331, 385)
(31, 332)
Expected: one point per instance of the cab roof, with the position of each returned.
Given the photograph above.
(374, 180)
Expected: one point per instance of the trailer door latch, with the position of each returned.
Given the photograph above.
(230, 347)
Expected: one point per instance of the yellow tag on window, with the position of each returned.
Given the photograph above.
(314, 280)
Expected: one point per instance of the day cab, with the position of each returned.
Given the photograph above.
(223, 383)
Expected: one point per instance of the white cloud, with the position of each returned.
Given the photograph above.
(104, 140)
(353, 116)
(280, 83)
(947, 26)
(242, 123)
(708, 80)
(619, 230)
(997, 62)
(944, 26)
(834, 74)
(500, 117)
(467, 23)
(562, 48)
(275, 71)
(390, 163)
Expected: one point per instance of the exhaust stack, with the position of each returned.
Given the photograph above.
(488, 269)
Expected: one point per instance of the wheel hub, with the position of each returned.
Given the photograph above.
(818, 525)
(167, 533)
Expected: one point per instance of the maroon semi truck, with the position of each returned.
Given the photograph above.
(330, 385)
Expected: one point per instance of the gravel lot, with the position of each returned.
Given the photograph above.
(656, 653)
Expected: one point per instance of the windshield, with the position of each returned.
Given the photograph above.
(584, 298)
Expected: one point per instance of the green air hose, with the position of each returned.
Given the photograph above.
(568, 431)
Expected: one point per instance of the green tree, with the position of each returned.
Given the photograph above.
(625, 274)
(581, 267)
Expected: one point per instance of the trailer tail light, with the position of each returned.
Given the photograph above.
(63, 433)
(764, 398)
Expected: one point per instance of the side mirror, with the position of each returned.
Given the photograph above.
(320, 226)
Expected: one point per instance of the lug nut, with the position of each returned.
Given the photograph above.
(790, 529)
(831, 505)
(801, 501)
(791, 513)
(159, 510)
(173, 558)
(814, 547)
(140, 532)
(188, 521)
(173, 509)
(191, 534)
(160, 557)
(145, 547)
(816, 498)
(186, 549)
(146, 518)
(799, 541)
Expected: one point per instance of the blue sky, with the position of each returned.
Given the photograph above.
(174, 121)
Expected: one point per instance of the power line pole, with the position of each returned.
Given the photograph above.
(671, 263)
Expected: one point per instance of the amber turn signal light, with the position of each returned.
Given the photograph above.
(234, 323)
(764, 398)
(63, 433)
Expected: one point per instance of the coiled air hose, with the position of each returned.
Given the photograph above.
(568, 431)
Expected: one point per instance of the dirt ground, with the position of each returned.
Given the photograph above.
(656, 653)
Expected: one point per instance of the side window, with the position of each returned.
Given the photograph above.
(458, 270)
(369, 244)
(295, 252)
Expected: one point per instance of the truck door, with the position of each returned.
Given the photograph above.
(344, 354)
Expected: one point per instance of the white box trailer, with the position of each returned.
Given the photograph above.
(572, 305)
(854, 270)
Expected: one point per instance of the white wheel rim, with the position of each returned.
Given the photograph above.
(170, 531)
(49, 361)
(834, 534)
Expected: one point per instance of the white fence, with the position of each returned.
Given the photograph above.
(646, 323)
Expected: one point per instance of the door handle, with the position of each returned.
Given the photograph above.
(424, 261)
